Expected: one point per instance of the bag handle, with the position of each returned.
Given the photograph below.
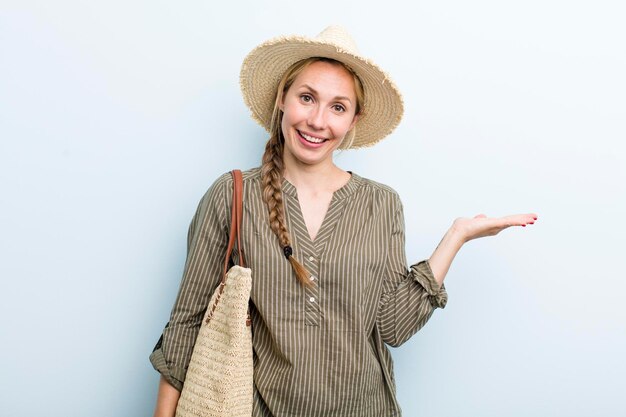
(235, 221)
(235, 228)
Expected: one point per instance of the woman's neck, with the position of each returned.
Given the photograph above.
(317, 178)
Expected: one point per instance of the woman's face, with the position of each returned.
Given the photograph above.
(318, 111)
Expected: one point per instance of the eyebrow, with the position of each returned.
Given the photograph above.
(314, 91)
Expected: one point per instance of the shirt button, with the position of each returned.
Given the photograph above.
(312, 299)
(313, 278)
(311, 258)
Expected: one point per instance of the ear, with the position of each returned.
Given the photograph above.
(281, 103)
(354, 120)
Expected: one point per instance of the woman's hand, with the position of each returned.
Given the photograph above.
(465, 229)
(481, 225)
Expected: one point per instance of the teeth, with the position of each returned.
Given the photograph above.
(311, 138)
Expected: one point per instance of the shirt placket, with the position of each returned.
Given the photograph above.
(309, 256)
(313, 311)
(306, 252)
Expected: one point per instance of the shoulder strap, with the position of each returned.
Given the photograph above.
(235, 221)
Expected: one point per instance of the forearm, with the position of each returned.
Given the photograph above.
(167, 399)
(444, 254)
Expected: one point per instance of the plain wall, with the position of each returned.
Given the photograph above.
(116, 116)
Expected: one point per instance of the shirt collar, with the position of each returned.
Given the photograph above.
(348, 189)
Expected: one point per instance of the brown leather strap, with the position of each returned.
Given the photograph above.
(235, 221)
(238, 179)
(235, 229)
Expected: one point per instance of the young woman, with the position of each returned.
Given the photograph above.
(331, 287)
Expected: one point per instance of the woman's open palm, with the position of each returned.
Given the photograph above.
(481, 225)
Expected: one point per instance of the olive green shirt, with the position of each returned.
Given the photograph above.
(318, 351)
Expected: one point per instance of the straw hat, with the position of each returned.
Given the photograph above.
(263, 68)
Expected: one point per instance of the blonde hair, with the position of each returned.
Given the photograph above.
(272, 167)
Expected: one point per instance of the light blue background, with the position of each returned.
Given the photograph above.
(116, 116)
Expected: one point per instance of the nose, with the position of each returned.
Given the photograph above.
(317, 118)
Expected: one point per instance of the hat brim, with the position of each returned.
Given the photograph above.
(265, 65)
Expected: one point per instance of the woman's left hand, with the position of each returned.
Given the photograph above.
(481, 225)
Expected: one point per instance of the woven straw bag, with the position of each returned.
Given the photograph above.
(219, 377)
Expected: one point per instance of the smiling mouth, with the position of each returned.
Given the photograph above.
(311, 139)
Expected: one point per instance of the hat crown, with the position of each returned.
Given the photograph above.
(338, 36)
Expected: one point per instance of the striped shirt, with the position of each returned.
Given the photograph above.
(318, 351)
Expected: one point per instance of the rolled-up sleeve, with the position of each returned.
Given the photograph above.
(206, 248)
(409, 296)
(422, 273)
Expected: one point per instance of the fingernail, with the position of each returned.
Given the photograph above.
(523, 225)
